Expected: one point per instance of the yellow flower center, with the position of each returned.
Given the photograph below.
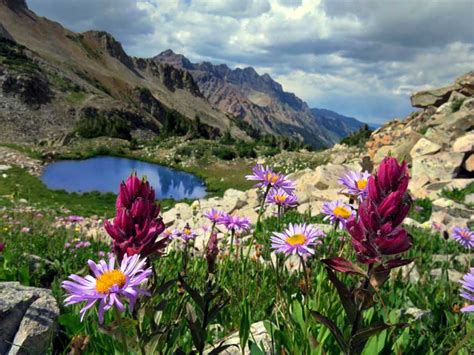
(216, 215)
(187, 231)
(341, 212)
(297, 239)
(465, 235)
(271, 178)
(109, 279)
(361, 184)
(280, 198)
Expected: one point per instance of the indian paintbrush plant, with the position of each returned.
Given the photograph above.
(377, 239)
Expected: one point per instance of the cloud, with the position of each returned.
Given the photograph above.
(361, 58)
(123, 18)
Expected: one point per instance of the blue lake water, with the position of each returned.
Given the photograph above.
(104, 174)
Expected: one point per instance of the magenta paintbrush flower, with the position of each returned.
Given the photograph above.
(282, 198)
(108, 285)
(464, 236)
(297, 239)
(355, 183)
(377, 232)
(266, 177)
(137, 225)
(467, 290)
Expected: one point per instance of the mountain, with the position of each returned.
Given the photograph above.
(335, 122)
(256, 99)
(54, 81)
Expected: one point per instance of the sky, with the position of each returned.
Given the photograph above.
(359, 58)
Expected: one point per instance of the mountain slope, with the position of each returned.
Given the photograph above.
(256, 99)
(335, 122)
(87, 76)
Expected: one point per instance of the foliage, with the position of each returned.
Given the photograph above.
(456, 104)
(13, 55)
(458, 195)
(224, 153)
(94, 124)
(421, 210)
(359, 137)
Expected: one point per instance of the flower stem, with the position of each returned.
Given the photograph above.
(257, 226)
(123, 337)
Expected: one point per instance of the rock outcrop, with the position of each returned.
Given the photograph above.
(27, 319)
(438, 143)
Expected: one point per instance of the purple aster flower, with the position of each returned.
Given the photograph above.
(464, 236)
(108, 285)
(282, 198)
(297, 239)
(467, 290)
(187, 233)
(214, 215)
(337, 211)
(236, 223)
(74, 219)
(267, 177)
(355, 183)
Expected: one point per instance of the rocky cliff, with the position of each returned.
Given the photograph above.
(260, 101)
(51, 79)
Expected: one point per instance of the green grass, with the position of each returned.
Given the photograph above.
(256, 285)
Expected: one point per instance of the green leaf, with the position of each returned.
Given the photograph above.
(333, 328)
(244, 330)
(297, 313)
(364, 334)
(255, 350)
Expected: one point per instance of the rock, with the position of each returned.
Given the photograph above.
(469, 163)
(258, 335)
(435, 97)
(469, 199)
(417, 184)
(237, 197)
(453, 208)
(411, 223)
(441, 166)
(466, 83)
(416, 313)
(4, 167)
(443, 218)
(324, 177)
(464, 144)
(407, 273)
(453, 275)
(424, 147)
(27, 318)
(434, 189)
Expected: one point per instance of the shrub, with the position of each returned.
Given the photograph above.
(245, 150)
(358, 138)
(224, 153)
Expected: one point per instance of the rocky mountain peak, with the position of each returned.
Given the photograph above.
(106, 42)
(177, 60)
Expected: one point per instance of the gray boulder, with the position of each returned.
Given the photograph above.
(27, 319)
(435, 97)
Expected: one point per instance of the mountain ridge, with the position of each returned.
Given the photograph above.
(91, 72)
